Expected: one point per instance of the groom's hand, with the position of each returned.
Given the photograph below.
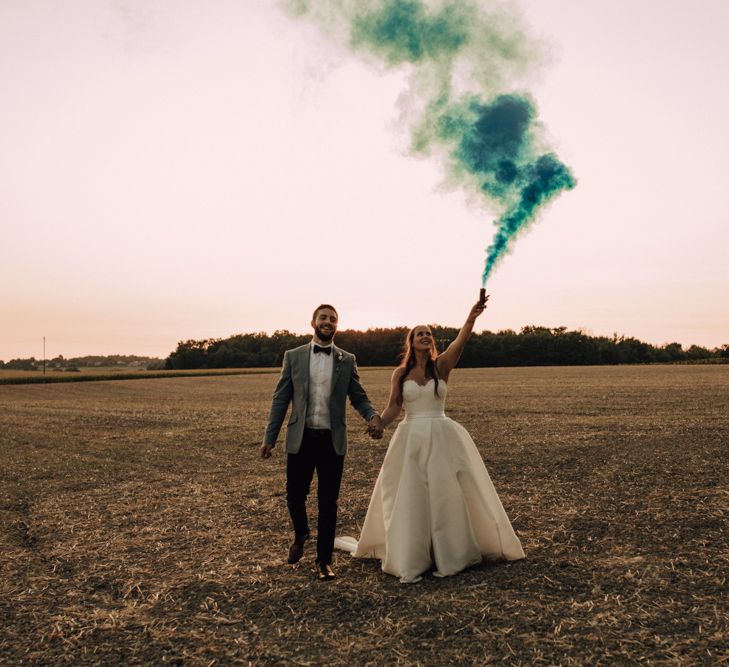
(265, 451)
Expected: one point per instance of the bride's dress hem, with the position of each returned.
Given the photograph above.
(349, 544)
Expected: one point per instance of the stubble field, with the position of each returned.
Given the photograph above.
(139, 527)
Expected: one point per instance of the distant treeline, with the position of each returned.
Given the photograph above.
(92, 361)
(532, 346)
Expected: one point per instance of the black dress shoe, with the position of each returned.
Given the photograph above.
(324, 572)
(296, 550)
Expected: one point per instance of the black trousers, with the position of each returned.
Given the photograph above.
(316, 453)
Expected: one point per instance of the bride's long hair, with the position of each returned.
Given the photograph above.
(409, 361)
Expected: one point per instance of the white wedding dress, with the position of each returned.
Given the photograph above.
(433, 503)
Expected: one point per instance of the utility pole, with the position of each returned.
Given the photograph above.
(44, 356)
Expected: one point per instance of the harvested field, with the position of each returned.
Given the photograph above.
(139, 527)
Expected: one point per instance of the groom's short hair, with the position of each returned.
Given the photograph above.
(322, 306)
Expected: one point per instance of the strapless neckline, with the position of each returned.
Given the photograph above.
(427, 383)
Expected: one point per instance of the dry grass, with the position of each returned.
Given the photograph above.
(138, 526)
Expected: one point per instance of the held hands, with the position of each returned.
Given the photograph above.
(375, 428)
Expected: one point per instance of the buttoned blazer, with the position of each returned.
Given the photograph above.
(293, 389)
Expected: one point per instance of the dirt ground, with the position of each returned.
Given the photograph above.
(138, 526)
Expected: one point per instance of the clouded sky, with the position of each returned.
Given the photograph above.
(188, 169)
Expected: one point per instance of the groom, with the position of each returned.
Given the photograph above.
(316, 379)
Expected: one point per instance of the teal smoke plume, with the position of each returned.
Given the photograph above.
(462, 56)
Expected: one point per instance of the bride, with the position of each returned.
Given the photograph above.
(433, 503)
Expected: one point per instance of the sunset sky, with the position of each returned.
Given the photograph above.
(188, 169)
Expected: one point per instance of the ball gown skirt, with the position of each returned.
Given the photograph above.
(433, 503)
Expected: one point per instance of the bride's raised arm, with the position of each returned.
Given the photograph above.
(447, 361)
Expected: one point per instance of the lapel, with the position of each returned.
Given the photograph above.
(336, 365)
(304, 361)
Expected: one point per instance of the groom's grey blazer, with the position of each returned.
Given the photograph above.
(293, 387)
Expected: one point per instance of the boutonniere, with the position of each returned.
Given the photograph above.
(339, 356)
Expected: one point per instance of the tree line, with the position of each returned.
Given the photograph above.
(74, 363)
(532, 346)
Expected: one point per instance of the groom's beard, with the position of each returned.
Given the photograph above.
(324, 336)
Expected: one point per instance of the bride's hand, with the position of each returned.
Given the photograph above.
(477, 309)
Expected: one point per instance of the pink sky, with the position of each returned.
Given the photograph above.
(175, 170)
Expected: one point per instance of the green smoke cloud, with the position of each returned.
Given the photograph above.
(462, 54)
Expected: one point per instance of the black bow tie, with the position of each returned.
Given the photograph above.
(325, 350)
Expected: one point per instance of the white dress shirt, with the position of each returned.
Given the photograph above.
(321, 367)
